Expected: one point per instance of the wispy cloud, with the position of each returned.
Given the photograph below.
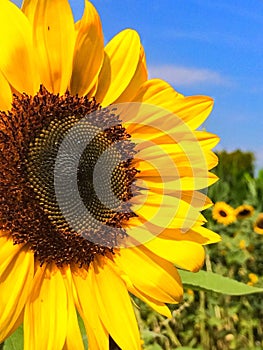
(188, 76)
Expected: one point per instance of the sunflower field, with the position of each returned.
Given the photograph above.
(213, 321)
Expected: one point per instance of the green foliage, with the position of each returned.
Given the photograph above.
(209, 281)
(231, 170)
(15, 341)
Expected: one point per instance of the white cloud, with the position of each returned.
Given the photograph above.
(187, 76)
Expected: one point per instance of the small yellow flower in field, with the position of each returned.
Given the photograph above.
(258, 224)
(223, 213)
(242, 244)
(253, 279)
(101, 178)
(244, 211)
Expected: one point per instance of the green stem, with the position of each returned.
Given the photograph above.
(203, 334)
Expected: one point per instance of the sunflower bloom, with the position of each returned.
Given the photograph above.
(96, 202)
(258, 224)
(223, 213)
(244, 211)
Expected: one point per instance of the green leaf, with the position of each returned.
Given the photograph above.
(83, 332)
(206, 280)
(15, 341)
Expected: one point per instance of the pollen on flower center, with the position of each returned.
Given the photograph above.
(31, 135)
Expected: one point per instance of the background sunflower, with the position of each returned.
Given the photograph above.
(223, 213)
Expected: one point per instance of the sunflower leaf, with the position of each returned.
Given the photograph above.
(15, 341)
(209, 281)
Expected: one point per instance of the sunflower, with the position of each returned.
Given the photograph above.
(258, 224)
(223, 213)
(244, 211)
(101, 172)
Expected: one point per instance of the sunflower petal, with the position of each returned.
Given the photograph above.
(54, 39)
(140, 76)
(98, 336)
(120, 63)
(206, 139)
(197, 233)
(156, 305)
(184, 254)
(158, 279)
(115, 307)
(74, 337)
(8, 251)
(46, 311)
(13, 296)
(165, 211)
(89, 52)
(157, 92)
(192, 110)
(5, 94)
(17, 49)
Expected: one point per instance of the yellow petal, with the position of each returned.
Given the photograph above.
(140, 76)
(115, 307)
(89, 52)
(184, 254)
(197, 233)
(74, 337)
(5, 94)
(29, 8)
(156, 305)
(15, 281)
(196, 199)
(158, 278)
(54, 39)
(165, 211)
(98, 336)
(193, 110)
(17, 59)
(46, 311)
(120, 63)
(206, 139)
(8, 251)
(159, 93)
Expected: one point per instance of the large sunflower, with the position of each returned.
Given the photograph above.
(81, 241)
(223, 213)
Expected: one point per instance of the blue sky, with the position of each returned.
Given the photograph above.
(202, 47)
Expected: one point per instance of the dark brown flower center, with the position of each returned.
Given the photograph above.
(63, 161)
(244, 212)
(223, 213)
(259, 223)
